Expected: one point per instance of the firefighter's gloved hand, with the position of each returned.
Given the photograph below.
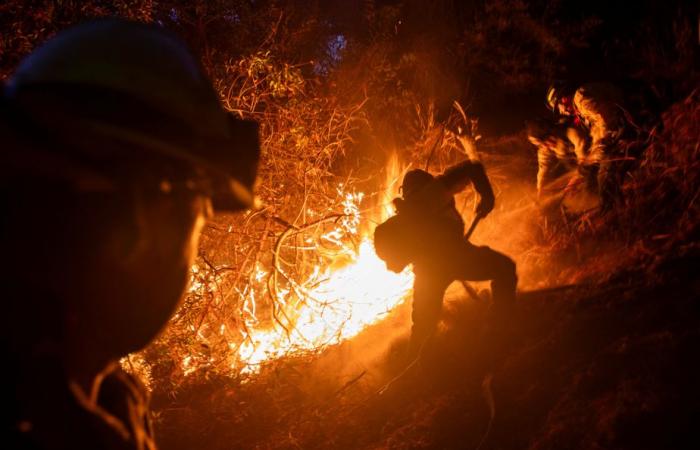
(485, 206)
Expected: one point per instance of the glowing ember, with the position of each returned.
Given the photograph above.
(333, 303)
(334, 291)
(351, 298)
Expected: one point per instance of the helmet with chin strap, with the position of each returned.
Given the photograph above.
(557, 92)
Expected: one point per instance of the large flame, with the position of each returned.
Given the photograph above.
(335, 303)
(348, 289)
(350, 299)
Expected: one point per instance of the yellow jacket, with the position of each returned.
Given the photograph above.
(598, 106)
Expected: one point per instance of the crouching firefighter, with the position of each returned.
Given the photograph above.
(428, 232)
(596, 107)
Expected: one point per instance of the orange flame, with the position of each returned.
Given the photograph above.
(335, 302)
(351, 298)
(341, 301)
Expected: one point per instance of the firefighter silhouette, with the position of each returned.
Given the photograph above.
(428, 232)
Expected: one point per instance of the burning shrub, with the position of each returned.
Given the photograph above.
(286, 277)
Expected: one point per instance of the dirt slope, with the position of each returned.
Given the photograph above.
(606, 366)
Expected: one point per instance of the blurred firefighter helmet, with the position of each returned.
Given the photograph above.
(557, 92)
(553, 97)
(116, 81)
(414, 180)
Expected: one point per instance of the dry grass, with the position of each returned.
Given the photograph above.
(235, 280)
(247, 263)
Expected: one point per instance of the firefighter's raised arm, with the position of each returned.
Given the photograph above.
(457, 177)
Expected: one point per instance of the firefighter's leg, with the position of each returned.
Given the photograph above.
(428, 292)
(601, 151)
(610, 178)
(483, 263)
(592, 164)
(606, 184)
(587, 177)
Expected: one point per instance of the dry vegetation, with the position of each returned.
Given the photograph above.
(245, 261)
(326, 134)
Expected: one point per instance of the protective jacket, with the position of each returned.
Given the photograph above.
(436, 198)
(598, 107)
(428, 224)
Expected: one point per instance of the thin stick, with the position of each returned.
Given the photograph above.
(435, 145)
(384, 388)
(350, 383)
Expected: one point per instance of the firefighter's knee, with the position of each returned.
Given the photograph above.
(508, 273)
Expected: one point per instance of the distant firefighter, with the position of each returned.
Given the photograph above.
(428, 232)
(598, 108)
(115, 149)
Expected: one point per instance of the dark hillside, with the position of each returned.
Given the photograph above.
(613, 365)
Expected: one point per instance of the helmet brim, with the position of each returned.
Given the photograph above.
(230, 183)
(224, 165)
